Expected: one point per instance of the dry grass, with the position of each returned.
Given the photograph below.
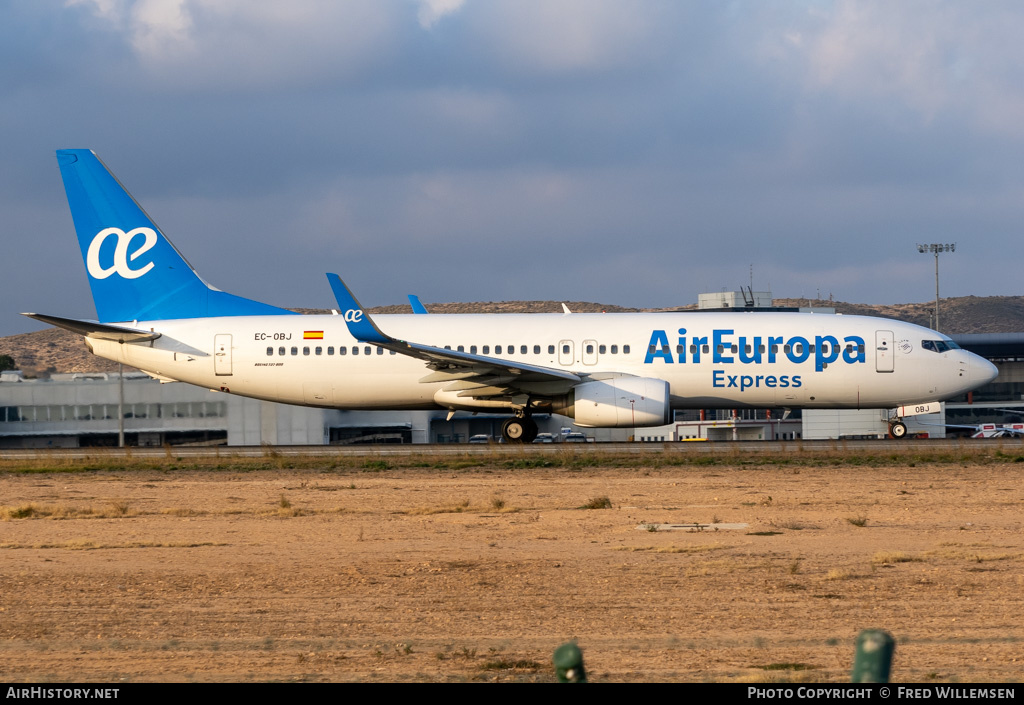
(459, 508)
(118, 510)
(676, 549)
(967, 554)
(890, 557)
(496, 505)
(82, 545)
(62, 511)
(181, 512)
(839, 574)
(497, 457)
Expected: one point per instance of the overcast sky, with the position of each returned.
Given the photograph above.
(632, 152)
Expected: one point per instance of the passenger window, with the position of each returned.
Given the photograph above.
(366, 350)
(461, 349)
(551, 350)
(355, 349)
(472, 350)
(761, 348)
(652, 348)
(747, 349)
(625, 350)
(693, 348)
(380, 351)
(319, 351)
(487, 350)
(270, 351)
(330, 350)
(565, 349)
(497, 350)
(600, 350)
(522, 349)
(280, 351)
(615, 350)
(786, 349)
(590, 349)
(536, 350)
(305, 351)
(295, 351)
(342, 350)
(735, 348)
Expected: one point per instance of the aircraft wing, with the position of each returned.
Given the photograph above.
(476, 376)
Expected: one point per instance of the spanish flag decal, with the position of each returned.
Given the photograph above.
(313, 335)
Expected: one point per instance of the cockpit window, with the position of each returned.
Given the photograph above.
(939, 346)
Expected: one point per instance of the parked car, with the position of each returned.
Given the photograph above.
(575, 438)
(544, 438)
(480, 438)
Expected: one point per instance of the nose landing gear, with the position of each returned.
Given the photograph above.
(897, 429)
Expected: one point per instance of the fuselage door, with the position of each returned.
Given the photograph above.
(222, 354)
(883, 351)
(565, 353)
(589, 352)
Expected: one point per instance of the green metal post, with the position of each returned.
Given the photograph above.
(874, 657)
(569, 664)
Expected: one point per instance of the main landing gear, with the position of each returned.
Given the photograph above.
(519, 429)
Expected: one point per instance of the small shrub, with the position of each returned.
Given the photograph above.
(598, 503)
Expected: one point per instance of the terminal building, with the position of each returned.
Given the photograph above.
(94, 409)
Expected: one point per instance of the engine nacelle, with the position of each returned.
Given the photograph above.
(621, 402)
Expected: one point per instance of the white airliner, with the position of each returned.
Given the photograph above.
(603, 370)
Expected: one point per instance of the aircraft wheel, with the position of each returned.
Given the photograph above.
(897, 429)
(517, 430)
(514, 431)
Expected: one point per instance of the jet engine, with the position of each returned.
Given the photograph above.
(619, 402)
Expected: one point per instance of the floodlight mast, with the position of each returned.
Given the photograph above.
(936, 248)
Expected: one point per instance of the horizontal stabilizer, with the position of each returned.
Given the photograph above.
(93, 329)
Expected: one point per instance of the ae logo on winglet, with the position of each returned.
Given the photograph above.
(120, 264)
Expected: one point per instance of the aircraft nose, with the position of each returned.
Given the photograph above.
(981, 370)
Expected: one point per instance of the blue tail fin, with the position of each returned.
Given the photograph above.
(136, 274)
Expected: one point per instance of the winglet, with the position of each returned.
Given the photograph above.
(417, 307)
(359, 323)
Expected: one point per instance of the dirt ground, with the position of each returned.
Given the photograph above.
(384, 571)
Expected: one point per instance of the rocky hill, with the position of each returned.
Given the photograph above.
(55, 350)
